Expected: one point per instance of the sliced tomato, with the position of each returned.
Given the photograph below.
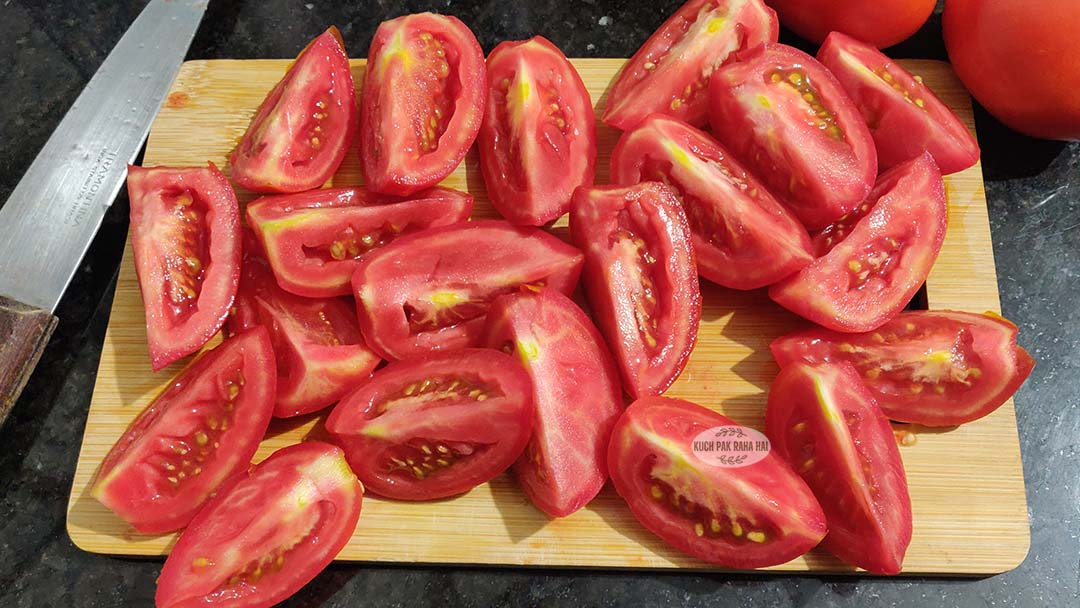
(875, 259)
(783, 114)
(431, 290)
(904, 116)
(315, 239)
(319, 351)
(201, 430)
(422, 104)
(302, 129)
(641, 279)
(743, 237)
(935, 368)
(751, 516)
(437, 425)
(268, 535)
(576, 393)
(185, 233)
(670, 72)
(824, 421)
(538, 139)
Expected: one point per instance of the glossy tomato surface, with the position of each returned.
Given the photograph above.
(303, 128)
(873, 260)
(824, 421)
(431, 290)
(268, 535)
(422, 104)
(784, 115)
(538, 139)
(743, 237)
(641, 279)
(670, 72)
(201, 430)
(1018, 59)
(881, 23)
(437, 425)
(751, 516)
(185, 232)
(935, 368)
(904, 116)
(576, 394)
(314, 240)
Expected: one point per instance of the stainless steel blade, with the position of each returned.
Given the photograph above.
(54, 212)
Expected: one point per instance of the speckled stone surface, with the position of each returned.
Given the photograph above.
(49, 49)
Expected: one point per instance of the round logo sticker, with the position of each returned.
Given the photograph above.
(730, 446)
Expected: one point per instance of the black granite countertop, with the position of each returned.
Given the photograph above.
(50, 48)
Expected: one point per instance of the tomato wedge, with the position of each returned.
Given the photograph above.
(904, 116)
(670, 72)
(743, 237)
(783, 114)
(436, 426)
(315, 239)
(430, 290)
(538, 139)
(874, 259)
(423, 102)
(824, 421)
(935, 368)
(302, 129)
(268, 535)
(201, 430)
(641, 279)
(752, 516)
(576, 393)
(185, 233)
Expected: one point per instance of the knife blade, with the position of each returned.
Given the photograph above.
(52, 215)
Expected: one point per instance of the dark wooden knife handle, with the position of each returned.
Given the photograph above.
(24, 332)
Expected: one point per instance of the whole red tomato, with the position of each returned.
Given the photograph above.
(881, 23)
(1019, 59)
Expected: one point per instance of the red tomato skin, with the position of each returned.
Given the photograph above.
(576, 394)
(902, 129)
(296, 166)
(314, 469)
(703, 42)
(779, 497)
(551, 161)
(597, 217)
(1018, 59)
(757, 113)
(880, 23)
(148, 188)
(860, 451)
(396, 105)
(139, 492)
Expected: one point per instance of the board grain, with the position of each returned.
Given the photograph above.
(966, 483)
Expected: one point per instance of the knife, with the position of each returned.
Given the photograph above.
(55, 210)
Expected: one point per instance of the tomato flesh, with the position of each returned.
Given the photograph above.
(268, 535)
(200, 431)
(423, 102)
(825, 423)
(436, 426)
(576, 394)
(784, 115)
(743, 237)
(185, 233)
(302, 129)
(641, 279)
(752, 516)
(670, 72)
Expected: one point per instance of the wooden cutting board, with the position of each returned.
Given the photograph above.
(967, 487)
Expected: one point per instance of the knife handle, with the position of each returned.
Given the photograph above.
(24, 332)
